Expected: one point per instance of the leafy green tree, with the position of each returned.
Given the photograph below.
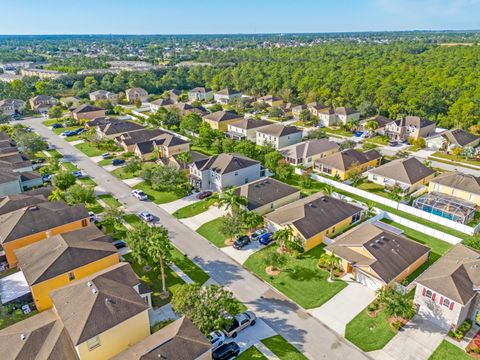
(284, 170)
(316, 134)
(55, 112)
(78, 194)
(231, 225)
(396, 304)
(247, 148)
(63, 180)
(347, 144)
(150, 245)
(271, 159)
(191, 122)
(276, 260)
(166, 178)
(113, 217)
(184, 158)
(330, 262)
(56, 195)
(215, 108)
(282, 236)
(28, 142)
(133, 165)
(251, 219)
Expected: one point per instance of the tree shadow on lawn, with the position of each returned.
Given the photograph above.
(301, 273)
(220, 271)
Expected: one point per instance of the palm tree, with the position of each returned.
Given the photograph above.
(56, 195)
(328, 190)
(371, 126)
(231, 200)
(184, 158)
(329, 261)
(282, 236)
(370, 208)
(251, 219)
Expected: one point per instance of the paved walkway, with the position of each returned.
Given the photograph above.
(196, 221)
(76, 142)
(162, 314)
(133, 181)
(180, 203)
(180, 273)
(266, 351)
(416, 341)
(344, 306)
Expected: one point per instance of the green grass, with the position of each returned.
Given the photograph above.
(369, 333)
(105, 162)
(158, 197)
(189, 267)
(133, 220)
(447, 351)
(110, 200)
(50, 122)
(120, 230)
(70, 166)
(10, 319)
(89, 149)
(211, 232)
(87, 181)
(54, 153)
(194, 209)
(340, 132)
(455, 159)
(152, 280)
(283, 349)
(380, 140)
(122, 174)
(202, 150)
(295, 181)
(301, 279)
(252, 353)
(96, 208)
(373, 188)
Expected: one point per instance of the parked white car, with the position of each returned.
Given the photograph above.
(139, 194)
(217, 338)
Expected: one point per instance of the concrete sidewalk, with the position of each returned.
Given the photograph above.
(198, 220)
(173, 206)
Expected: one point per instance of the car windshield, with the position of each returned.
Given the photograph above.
(233, 326)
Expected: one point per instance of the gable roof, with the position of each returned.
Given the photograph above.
(134, 137)
(222, 115)
(225, 163)
(85, 108)
(390, 254)
(264, 191)
(38, 218)
(97, 303)
(180, 340)
(456, 275)
(309, 148)
(28, 198)
(249, 123)
(345, 111)
(161, 102)
(119, 127)
(201, 90)
(380, 120)
(228, 91)
(313, 214)
(408, 171)
(136, 90)
(345, 159)
(460, 137)
(39, 337)
(416, 121)
(458, 180)
(165, 139)
(279, 130)
(62, 253)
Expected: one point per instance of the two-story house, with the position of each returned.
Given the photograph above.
(159, 103)
(42, 103)
(307, 152)
(224, 170)
(226, 96)
(271, 100)
(219, 120)
(410, 127)
(246, 129)
(163, 146)
(133, 94)
(103, 95)
(200, 94)
(11, 106)
(338, 116)
(278, 135)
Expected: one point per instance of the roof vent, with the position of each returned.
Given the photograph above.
(23, 337)
(89, 284)
(382, 237)
(109, 301)
(94, 291)
(33, 208)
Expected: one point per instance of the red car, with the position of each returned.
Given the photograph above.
(204, 195)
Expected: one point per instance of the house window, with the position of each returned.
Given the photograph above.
(429, 294)
(355, 217)
(246, 180)
(71, 276)
(93, 343)
(446, 303)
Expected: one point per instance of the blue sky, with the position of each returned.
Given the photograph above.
(227, 16)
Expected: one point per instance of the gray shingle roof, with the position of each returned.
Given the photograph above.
(408, 171)
(458, 180)
(344, 160)
(279, 130)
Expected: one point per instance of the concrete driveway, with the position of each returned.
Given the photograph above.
(253, 334)
(180, 203)
(242, 255)
(343, 307)
(198, 220)
(416, 341)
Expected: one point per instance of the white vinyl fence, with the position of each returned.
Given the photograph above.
(396, 205)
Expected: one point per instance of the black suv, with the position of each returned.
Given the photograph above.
(241, 241)
(226, 351)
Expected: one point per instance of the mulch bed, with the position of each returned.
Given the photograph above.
(271, 271)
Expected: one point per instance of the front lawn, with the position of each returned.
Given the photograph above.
(54, 153)
(211, 232)
(158, 197)
(133, 220)
(70, 166)
(152, 280)
(456, 159)
(338, 131)
(194, 209)
(95, 207)
(369, 333)
(87, 181)
(252, 353)
(89, 149)
(50, 122)
(447, 351)
(110, 201)
(283, 349)
(301, 279)
(105, 162)
(122, 174)
(189, 267)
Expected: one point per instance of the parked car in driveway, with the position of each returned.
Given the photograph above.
(119, 244)
(139, 194)
(79, 131)
(77, 174)
(217, 338)
(117, 162)
(67, 133)
(240, 322)
(146, 216)
(204, 195)
(241, 242)
(266, 238)
(57, 126)
(226, 351)
(105, 155)
(47, 178)
(258, 233)
(92, 217)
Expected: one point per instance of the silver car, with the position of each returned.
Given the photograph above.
(240, 322)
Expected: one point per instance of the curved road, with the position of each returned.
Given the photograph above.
(306, 333)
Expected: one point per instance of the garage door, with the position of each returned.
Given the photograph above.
(368, 281)
(433, 316)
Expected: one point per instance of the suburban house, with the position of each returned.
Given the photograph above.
(32, 197)
(343, 164)
(447, 292)
(178, 163)
(133, 94)
(179, 340)
(224, 170)
(87, 112)
(51, 264)
(70, 101)
(315, 217)
(278, 135)
(267, 194)
(128, 140)
(307, 152)
(377, 255)
(297, 110)
(451, 139)
(11, 106)
(185, 109)
(159, 103)
(382, 122)
(200, 94)
(109, 129)
(174, 95)
(38, 222)
(270, 100)
(219, 120)
(457, 184)
(226, 96)
(410, 127)
(341, 115)
(42, 103)
(164, 146)
(103, 95)
(246, 129)
(315, 107)
(408, 174)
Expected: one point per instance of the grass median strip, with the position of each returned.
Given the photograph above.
(110, 200)
(189, 267)
(283, 349)
(194, 209)
(252, 353)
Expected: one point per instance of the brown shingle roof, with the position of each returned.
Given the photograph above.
(97, 303)
(222, 115)
(249, 123)
(279, 130)
(458, 180)
(344, 160)
(119, 127)
(308, 148)
(180, 340)
(460, 137)
(28, 198)
(408, 171)
(62, 253)
(228, 91)
(226, 163)
(86, 108)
